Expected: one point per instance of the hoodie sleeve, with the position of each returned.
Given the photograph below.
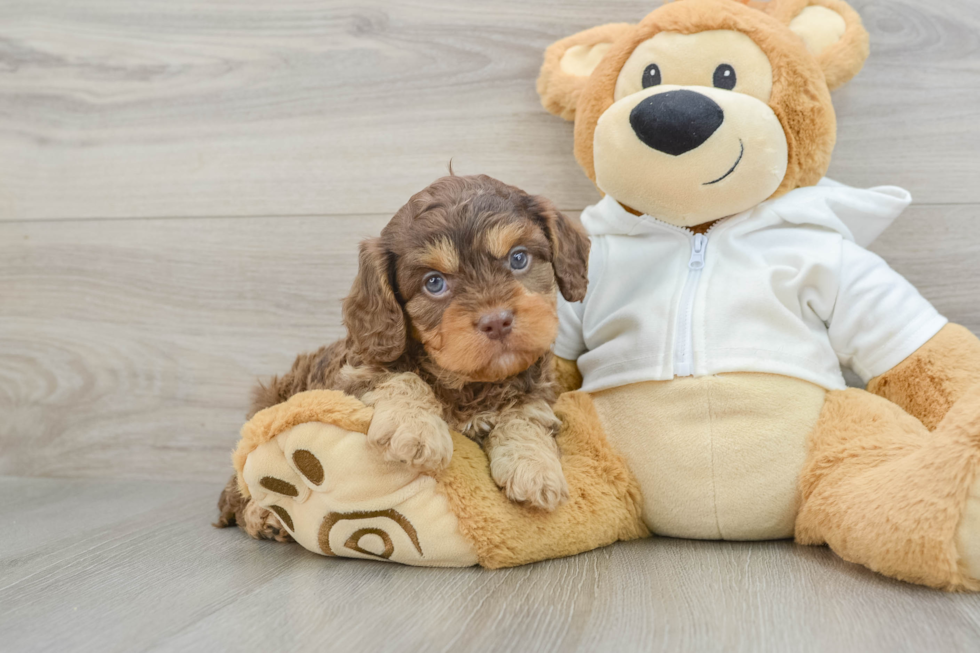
(879, 318)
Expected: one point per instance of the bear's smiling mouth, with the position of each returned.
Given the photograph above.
(732, 169)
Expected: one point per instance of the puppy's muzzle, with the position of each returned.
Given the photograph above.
(496, 325)
(676, 122)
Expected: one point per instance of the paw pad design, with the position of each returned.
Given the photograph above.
(308, 466)
(279, 486)
(343, 521)
(284, 517)
(336, 495)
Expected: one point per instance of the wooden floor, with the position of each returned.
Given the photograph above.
(182, 187)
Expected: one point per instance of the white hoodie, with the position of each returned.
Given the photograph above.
(784, 288)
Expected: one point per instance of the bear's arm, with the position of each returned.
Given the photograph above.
(567, 374)
(931, 380)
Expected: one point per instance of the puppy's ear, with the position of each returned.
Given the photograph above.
(569, 249)
(374, 319)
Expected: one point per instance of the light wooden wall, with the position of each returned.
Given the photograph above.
(183, 185)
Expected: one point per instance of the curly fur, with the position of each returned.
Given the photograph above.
(416, 358)
(235, 509)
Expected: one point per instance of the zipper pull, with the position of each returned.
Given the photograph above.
(698, 248)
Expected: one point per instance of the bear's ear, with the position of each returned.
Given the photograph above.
(568, 64)
(832, 32)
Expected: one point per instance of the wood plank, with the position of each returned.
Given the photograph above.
(162, 579)
(906, 119)
(937, 249)
(128, 348)
(132, 346)
(147, 108)
(135, 576)
(44, 518)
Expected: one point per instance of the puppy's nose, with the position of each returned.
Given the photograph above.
(676, 122)
(496, 325)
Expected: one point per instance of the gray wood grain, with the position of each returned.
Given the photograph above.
(138, 567)
(128, 348)
(188, 108)
(182, 186)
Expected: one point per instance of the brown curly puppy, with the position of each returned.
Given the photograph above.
(450, 322)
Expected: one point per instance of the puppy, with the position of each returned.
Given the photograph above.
(450, 322)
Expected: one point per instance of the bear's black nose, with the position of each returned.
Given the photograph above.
(676, 122)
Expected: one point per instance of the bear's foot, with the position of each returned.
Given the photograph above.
(336, 495)
(884, 492)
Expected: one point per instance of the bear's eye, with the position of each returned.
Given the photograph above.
(724, 77)
(651, 76)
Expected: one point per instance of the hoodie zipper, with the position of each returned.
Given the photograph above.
(684, 331)
(684, 322)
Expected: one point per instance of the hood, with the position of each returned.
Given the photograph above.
(858, 214)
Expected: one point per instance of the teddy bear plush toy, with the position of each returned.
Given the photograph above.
(728, 285)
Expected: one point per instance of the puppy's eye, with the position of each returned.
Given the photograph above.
(651, 76)
(519, 259)
(724, 77)
(435, 284)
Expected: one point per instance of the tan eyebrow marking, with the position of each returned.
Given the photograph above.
(442, 256)
(501, 238)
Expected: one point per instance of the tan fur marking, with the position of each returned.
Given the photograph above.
(501, 238)
(441, 256)
(459, 347)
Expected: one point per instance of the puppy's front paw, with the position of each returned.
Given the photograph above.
(535, 478)
(420, 439)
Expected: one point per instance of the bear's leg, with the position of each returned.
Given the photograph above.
(604, 503)
(308, 460)
(883, 491)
